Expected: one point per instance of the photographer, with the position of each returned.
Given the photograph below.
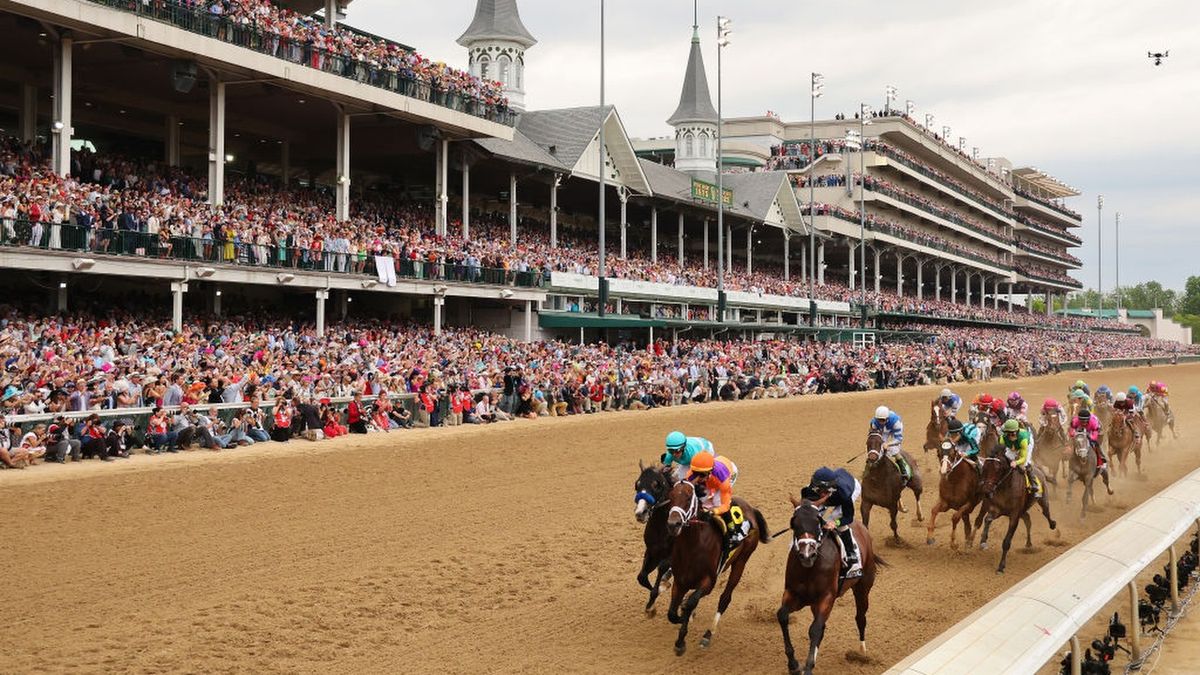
(59, 444)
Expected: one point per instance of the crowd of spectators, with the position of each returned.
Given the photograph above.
(1034, 245)
(1040, 271)
(1047, 227)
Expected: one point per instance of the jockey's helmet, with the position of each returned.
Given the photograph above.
(882, 412)
(1134, 390)
(1080, 384)
(1103, 389)
(985, 399)
(954, 426)
(1050, 404)
(675, 441)
(946, 393)
(1015, 398)
(1078, 393)
(824, 480)
(997, 406)
(1121, 396)
(702, 463)
(1012, 426)
(1085, 414)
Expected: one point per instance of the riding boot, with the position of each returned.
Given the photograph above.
(905, 470)
(1101, 460)
(853, 560)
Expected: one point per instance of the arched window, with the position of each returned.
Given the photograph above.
(484, 66)
(703, 144)
(689, 145)
(518, 73)
(504, 67)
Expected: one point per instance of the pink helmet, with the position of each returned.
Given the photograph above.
(1050, 404)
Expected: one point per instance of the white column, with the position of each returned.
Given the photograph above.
(804, 261)
(216, 142)
(321, 297)
(920, 278)
(852, 271)
(171, 142)
(729, 248)
(787, 255)
(623, 197)
(554, 210)
(178, 288)
(529, 321)
(443, 213)
(899, 274)
(285, 162)
(512, 210)
(996, 293)
(466, 196)
(1049, 302)
(61, 298)
(706, 243)
(1029, 302)
(330, 13)
(61, 129)
(937, 282)
(681, 243)
(982, 292)
(953, 285)
(967, 287)
(1010, 298)
(821, 263)
(216, 302)
(654, 234)
(438, 303)
(878, 276)
(29, 103)
(342, 209)
(749, 250)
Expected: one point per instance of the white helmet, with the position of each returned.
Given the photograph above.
(882, 412)
(1120, 396)
(946, 393)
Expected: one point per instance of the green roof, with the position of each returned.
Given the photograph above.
(1141, 313)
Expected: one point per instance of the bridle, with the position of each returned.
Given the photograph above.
(687, 515)
(878, 452)
(991, 491)
(1083, 445)
(654, 503)
(804, 543)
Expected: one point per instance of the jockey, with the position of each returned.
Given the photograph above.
(981, 403)
(1018, 448)
(1051, 409)
(715, 475)
(1017, 407)
(950, 402)
(1090, 424)
(1123, 403)
(1139, 403)
(1158, 390)
(680, 451)
(999, 412)
(1080, 385)
(835, 492)
(1082, 399)
(1103, 393)
(965, 438)
(889, 425)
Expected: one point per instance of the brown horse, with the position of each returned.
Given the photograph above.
(958, 491)
(1050, 445)
(1159, 419)
(1104, 412)
(650, 499)
(813, 568)
(1004, 494)
(1083, 468)
(882, 484)
(935, 431)
(989, 438)
(1123, 440)
(696, 557)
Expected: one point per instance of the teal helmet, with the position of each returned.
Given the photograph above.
(1134, 390)
(676, 440)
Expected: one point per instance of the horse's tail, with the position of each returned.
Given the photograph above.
(764, 535)
(880, 561)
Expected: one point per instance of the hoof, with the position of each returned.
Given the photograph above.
(1053, 525)
(680, 649)
(1000, 572)
(983, 545)
(650, 613)
(929, 541)
(705, 641)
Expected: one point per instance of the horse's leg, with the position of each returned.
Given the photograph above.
(735, 575)
(689, 606)
(1104, 475)
(940, 506)
(862, 601)
(866, 516)
(1045, 504)
(664, 572)
(1008, 536)
(786, 606)
(968, 533)
(816, 632)
(987, 518)
(1087, 493)
(917, 488)
(1028, 529)
(895, 531)
(643, 577)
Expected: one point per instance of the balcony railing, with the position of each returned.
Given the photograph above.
(195, 18)
(1060, 257)
(1047, 203)
(146, 246)
(946, 214)
(892, 154)
(1046, 229)
(894, 231)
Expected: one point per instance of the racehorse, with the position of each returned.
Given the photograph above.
(883, 485)
(937, 428)
(1083, 469)
(696, 556)
(1122, 440)
(1156, 413)
(1050, 445)
(1004, 493)
(989, 438)
(650, 495)
(813, 580)
(958, 491)
(1104, 412)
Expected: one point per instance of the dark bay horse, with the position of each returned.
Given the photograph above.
(1083, 468)
(958, 491)
(650, 496)
(1004, 494)
(937, 428)
(882, 484)
(1123, 441)
(813, 566)
(1050, 445)
(989, 438)
(696, 557)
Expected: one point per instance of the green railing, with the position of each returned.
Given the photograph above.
(196, 18)
(144, 245)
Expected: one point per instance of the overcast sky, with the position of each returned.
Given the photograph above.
(1063, 85)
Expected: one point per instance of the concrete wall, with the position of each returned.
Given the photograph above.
(1160, 327)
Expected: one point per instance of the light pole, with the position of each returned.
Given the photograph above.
(1099, 256)
(889, 95)
(818, 83)
(600, 271)
(1118, 254)
(723, 32)
(863, 111)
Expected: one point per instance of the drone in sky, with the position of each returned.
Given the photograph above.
(1158, 56)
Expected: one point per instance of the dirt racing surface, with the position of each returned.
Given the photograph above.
(511, 548)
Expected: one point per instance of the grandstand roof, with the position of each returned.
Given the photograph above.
(1045, 182)
(758, 192)
(521, 149)
(497, 20)
(695, 103)
(568, 130)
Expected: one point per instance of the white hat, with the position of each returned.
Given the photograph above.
(1120, 396)
(946, 393)
(882, 412)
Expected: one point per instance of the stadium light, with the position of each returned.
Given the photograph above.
(1099, 255)
(946, 134)
(818, 84)
(218, 292)
(1118, 266)
(723, 31)
(864, 111)
(889, 95)
(229, 159)
(62, 284)
(909, 108)
(928, 122)
(57, 127)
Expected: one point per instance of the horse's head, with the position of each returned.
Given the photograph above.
(1082, 445)
(684, 504)
(650, 489)
(992, 473)
(874, 446)
(807, 531)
